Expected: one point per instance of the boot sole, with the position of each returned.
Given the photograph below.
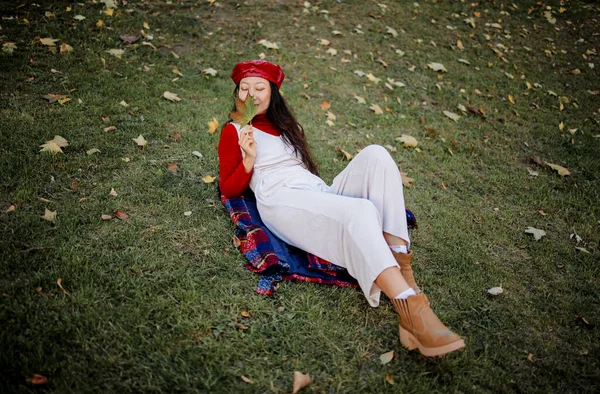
(410, 342)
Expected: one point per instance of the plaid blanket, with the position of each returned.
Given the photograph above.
(275, 260)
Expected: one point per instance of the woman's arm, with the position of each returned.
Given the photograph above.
(233, 176)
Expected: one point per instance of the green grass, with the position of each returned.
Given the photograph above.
(152, 304)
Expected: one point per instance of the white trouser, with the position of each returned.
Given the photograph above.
(344, 224)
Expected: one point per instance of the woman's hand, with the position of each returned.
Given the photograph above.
(248, 145)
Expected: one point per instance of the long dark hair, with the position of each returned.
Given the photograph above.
(291, 131)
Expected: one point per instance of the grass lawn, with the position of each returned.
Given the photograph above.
(154, 304)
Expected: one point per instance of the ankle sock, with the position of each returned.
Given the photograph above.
(405, 294)
(399, 248)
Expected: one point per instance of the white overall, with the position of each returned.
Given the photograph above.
(341, 223)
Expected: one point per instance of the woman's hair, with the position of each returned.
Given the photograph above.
(291, 131)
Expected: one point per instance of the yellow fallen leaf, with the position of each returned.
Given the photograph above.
(59, 283)
(389, 379)
(347, 155)
(268, 44)
(437, 67)
(209, 179)
(373, 78)
(300, 380)
(51, 146)
(99, 23)
(109, 11)
(561, 126)
(376, 108)
(176, 71)
(140, 140)
(452, 115)
(146, 26)
(408, 141)
(116, 52)
(406, 180)
(171, 96)
(11, 208)
(212, 125)
(360, 100)
(511, 99)
(49, 215)
(65, 48)
(51, 42)
(562, 171)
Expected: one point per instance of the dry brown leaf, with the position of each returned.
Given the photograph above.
(300, 380)
(172, 168)
(245, 379)
(110, 128)
(376, 108)
(122, 215)
(212, 125)
(236, 242)
(406, 180)
(59, 283)
(178, 137)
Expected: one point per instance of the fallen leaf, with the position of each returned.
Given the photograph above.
(176, 71)
(236, 242)
(208, 179)
(172, 168)
(347, 155)
(325, 105)
(464, 61)
(389, 379)
(407, 141)
(530, 357)
(59, 283)
(37, 379)
(245, 314)
(373, 78)
(452, 115)
(386, 357)
(110, 128)
(244, 111)
(562, 171)
(437, 67)
(212, 125)
(324, 42)
(537, 233)
(38, 289)
(124, 103)
(210, 71)
(171, 96)
(187, 213)
(92, 151)
(331, 51)
(391, 31)
(376, 108)
(584, 250)
(65, 48)
(116, 52)
(406, 180)
(10, 208)
(129, 39)
(531, 172)
(106, 217)
(49, 215)
(178, 137)
(300, 380)
(511, 99)
(79, 17)
(121, 215)
(245, 379)
(197, 154)
(268, 44)
(51, 147)
(584, 321)
(140, 141)
(495, 291)
(51, 42)
(360, 100)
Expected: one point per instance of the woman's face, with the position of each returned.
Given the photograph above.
(259, 88)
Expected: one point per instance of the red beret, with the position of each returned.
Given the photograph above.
(258, 68)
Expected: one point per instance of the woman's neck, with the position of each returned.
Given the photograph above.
(262, 122)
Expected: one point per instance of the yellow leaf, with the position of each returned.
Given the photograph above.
(331, 116)
(65, 48)
(347, 155)
(109, 11)
(300, 380)
(116, 52)
(209, 179)
(360, 100)
(376, 108)
(408, 141)
(561, 126)
(99, 23)
(49, 215)
(140, 140)
(171, 96)
(51, 42)
(212, 125)
(51, 147)
(406, 180)
(511, 99)
(562, 171)
(146, 26)
(373, 78)
(176, 71)
(437, 67)
(452, 115)
(460, 45)
(389, 378)
(324, 42)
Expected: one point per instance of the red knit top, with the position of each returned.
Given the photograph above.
(233, 178)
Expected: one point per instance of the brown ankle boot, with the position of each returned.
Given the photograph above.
(403, 260)
(421, 328)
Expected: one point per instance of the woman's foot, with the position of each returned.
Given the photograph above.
(420, 328)
(403, 260)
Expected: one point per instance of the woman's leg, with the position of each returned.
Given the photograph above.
(374, 175)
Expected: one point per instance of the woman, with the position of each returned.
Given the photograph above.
(358, 222)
